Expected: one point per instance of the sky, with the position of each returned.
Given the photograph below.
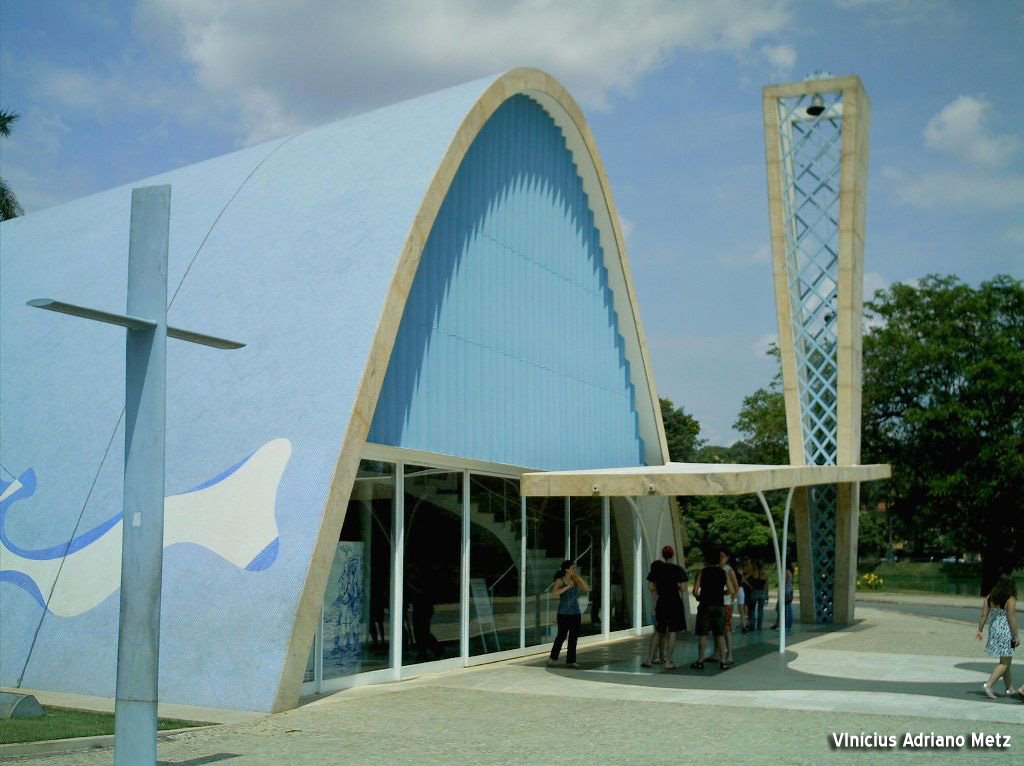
(112, 91)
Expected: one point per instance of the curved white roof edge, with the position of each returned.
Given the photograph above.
(555, 99)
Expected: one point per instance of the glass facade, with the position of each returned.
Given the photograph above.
(433, 564)
(470, 570)
(546, 549)
(620, 577)
(585, 534)
(495, 564)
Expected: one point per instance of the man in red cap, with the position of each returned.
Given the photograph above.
(666, 581)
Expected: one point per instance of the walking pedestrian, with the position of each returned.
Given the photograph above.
(999, 611)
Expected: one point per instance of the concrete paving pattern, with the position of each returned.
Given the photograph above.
(866, 687)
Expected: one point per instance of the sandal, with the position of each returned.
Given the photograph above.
(646, 665)
(725, 666)
(670, 666)
(698, 665)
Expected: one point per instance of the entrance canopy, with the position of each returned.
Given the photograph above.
(694, 479)
(704, 479)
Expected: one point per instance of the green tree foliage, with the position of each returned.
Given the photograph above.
(762, 421)
(682, 432)
(736, 522)
(944, 404)
(872, 536)
(9, 207)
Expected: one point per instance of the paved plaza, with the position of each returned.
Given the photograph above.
(908, 666)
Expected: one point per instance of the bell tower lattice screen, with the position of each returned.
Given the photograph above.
(816, 149)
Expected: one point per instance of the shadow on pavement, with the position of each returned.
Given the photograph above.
(758, 667)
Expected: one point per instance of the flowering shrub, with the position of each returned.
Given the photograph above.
(870, 581)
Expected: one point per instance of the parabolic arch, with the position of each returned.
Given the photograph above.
(563, 110)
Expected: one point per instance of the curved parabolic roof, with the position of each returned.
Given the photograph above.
(347, 258)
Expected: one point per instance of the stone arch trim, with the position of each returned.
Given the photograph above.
(562, 108)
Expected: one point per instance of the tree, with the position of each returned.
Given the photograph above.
(944, 404)
(681, 432)
(762, 421)
(9, 207)
(872, 542)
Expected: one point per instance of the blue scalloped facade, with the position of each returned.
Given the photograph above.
(509, 348)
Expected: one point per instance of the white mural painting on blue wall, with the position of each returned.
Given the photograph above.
(231, 514)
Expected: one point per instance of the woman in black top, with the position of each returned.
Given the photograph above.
(758, 580)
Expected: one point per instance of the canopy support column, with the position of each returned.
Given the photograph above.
(780, 559)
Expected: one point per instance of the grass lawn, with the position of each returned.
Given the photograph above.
(63, 723)
(930, 576)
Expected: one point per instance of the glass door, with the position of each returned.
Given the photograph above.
(495, 567)
(545, 551)
(432, 565)
(585, 525)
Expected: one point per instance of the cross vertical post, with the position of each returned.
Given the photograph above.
(142, 523)
(138, 639)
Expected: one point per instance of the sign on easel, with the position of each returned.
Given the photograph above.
(484, 612)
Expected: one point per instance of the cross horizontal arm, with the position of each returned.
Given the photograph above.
(203, 340)
(133, 323)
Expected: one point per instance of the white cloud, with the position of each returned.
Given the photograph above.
(30, 160)
(963, 190)
(782, 59)
(960, 130)
(110, 90)
(293, 65)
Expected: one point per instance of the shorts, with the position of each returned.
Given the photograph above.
(670, 620)
(710, 619)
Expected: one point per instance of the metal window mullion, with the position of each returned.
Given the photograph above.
(398, 569)
(606, 566)
(568, 530)
(464, 577)
(522, 572)
(638, 554)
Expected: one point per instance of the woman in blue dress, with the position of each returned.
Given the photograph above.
(1000, 612)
